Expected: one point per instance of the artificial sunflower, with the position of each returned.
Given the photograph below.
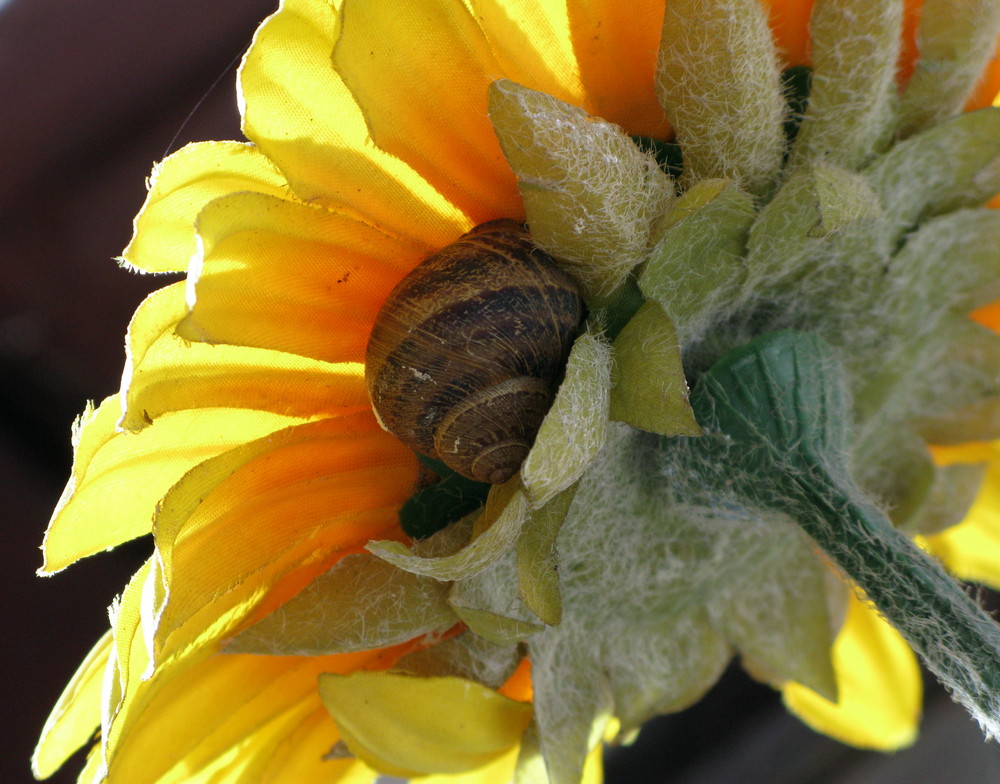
(791, 224)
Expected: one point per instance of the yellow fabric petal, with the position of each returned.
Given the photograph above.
(879, 685)
(185, 718)
(252, 759)
(409, 94)
(971, 549)
(299, 498)
(164, 372)
(93, 767)
(299, 757)
(162, 240)
(118, 478)
(76, 715)
(127, 661)
(499, 771)
(406, 725)
(202, 709)
(296, 278)
(304, 118)
(593, 767)
(616, 44)
(531, 41)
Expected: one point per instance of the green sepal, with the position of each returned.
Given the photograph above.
(683, 654)
(668, 155)
(786, 633)
(466, 655)
(948, 497)
(573, 704)
(359, 604)
(496, 530)
(822, 225)
(696, 262)
(969, 363)
(620, 307)
(498, 629)
(905, 474)
(948, 166)
(649, 389)
(590, 194)
(948, 264)
(575, 427)
(718, 82)
(977, 421)
(490, 604)
(537, 565)
(946, 269)
(432, 508)
(855, 48)
(956, 42)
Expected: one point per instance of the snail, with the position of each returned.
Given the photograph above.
(468, 350)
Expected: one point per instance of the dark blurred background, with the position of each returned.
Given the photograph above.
(93, 93)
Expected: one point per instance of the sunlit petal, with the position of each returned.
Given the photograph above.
(879, 682)
(286, 276)
(118, 478)
(184, 183)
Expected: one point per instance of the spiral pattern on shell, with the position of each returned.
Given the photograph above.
(469, 348)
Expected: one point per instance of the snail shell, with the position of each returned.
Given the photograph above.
(469, 348)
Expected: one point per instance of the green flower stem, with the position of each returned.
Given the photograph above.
(958, 642)
(780, 407)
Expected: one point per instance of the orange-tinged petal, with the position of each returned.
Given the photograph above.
(789, 21)
(971, 549)
(302, 497)
(616, 44)
(909, 52)
(518, 685)
(76, 715)
(300, 113)
(407, 725)
(180, 186)
(291, 277)
(164, 372)
(879, 683)
(989, 315)
(409, 94)
(987, 92)
(118, 478)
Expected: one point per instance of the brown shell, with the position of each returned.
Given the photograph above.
(468, 349)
